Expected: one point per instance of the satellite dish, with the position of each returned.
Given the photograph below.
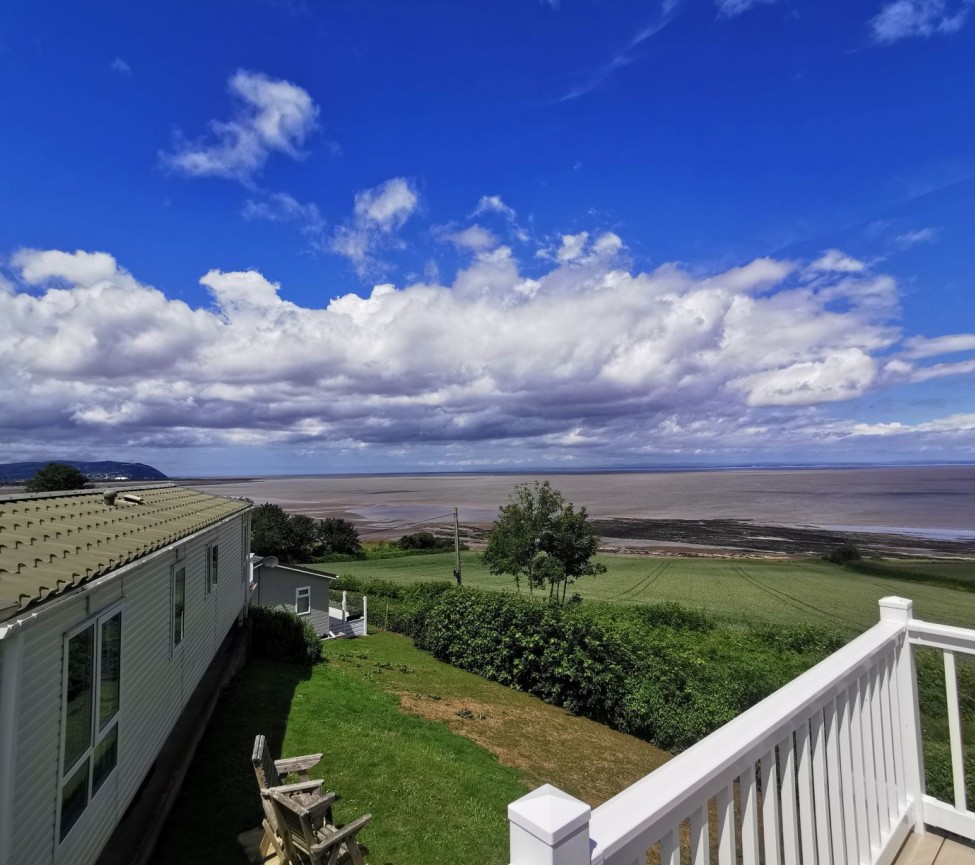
(270, 562)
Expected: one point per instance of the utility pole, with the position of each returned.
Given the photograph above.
(456, 548)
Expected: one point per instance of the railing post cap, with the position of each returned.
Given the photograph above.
(894, 609)
(550, 814)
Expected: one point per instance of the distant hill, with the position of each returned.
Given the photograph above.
(11, 473)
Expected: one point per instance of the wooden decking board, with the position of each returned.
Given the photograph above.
(920, 849)
(932, 848)
(953, 853)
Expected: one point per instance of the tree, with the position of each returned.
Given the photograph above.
(276, 533)
(336, 535)
(299, 537)
(541, 538)
(54, 477)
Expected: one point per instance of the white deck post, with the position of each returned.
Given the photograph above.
(345, 608)
(901, 610)
(549, 827)
(365, 615)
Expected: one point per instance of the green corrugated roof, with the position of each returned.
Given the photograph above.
(49, 544)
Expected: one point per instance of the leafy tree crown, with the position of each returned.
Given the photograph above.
(54, 477)
(542, 539)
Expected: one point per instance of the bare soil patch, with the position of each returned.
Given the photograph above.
(547, 744)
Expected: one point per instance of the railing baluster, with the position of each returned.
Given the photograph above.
(820, 790)
(849, 787)
(771, 813)
(859, 786)
(700, 854)
(725, 806)
(890, 767)
(807, 828)
(879, 767)
(748, 790)
(834, 780)
(869, 773)
(895, 730)
(670, 847)
(790, 822)
(954, 732)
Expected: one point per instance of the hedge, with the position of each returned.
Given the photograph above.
(280, 635)
(662, 672)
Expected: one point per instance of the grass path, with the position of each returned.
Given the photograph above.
(438, 784)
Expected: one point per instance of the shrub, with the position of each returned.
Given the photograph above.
(673, 615)
(280, 635)
(843, 554)
(424, 541)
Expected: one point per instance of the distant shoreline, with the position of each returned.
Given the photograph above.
(545, 471)
(903, 510)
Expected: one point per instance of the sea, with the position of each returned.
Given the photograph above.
(935, 501)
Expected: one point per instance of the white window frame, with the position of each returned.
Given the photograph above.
(96, 736)
(173, 643)
(212, 567)
(245, 546)
(304, 592)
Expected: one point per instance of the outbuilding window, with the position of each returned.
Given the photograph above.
(90, 711)
(303, 600)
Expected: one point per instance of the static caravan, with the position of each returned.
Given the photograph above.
(300, 590)
(112, 609)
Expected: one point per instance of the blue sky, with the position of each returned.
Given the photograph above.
(603, 233)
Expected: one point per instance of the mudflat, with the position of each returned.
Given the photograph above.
(712, 508)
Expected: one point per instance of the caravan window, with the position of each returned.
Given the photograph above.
(90, 713)
(211, 568)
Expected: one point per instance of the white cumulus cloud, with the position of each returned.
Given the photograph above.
(583, 360)
(473, 237)
(378, 213)
(273, 116)
(586, 357)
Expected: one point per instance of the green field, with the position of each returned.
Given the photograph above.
(733, 590)
(954, 570)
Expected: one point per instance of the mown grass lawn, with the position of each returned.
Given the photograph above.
(732, 590)
(433, 779)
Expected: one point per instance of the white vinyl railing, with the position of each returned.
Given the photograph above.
(340, 622)
(826, 771)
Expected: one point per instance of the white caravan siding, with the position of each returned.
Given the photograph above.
(156, 683)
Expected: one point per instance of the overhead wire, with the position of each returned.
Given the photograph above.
(406, 525)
